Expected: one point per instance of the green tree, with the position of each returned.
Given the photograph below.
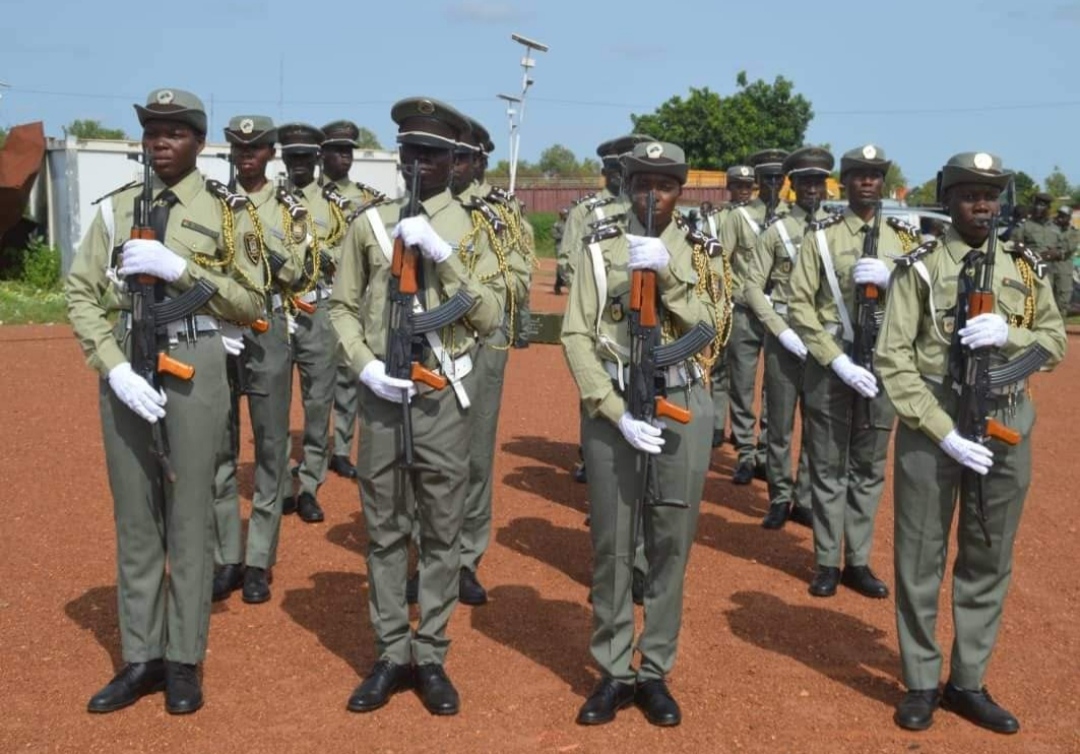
(3, 135)
(558, 160)
(894, 179)
(717, 131)
(92, 129)
(1025, 187)
(367, 139)
(924, 195)
(1057, 184)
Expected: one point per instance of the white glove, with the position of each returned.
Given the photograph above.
(974, 456)
(647, 253)
(136, 393)
(290, 322)
(416, 231)
(854, 376)
(640, 434)
(985, 330)
(387, 388)
(792, 342)
(232, 339)
(144, 257)
(873, 271)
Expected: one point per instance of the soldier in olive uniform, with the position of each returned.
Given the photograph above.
(1046, 238)
(596, 341)
(340, 139)
(847, 462)
(495, 215)
(770, 269)
(165, 523)
(740, 185)
(916, 357)
(432, 490)
(263, 369)
(592, 208)
(738, 237)
(1063, 269)
(557, 232)
(314, 341)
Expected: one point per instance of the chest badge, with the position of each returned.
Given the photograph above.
(616, 311)
(252, 247)
(298, 231)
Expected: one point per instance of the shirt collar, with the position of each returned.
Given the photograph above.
(957, 246)
(437, 203)
(186, 190)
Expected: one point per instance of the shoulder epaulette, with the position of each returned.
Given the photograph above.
(581, 199)
(476, 204)
(825, 222)
(699, 238)
(1024, 252)
(498, 196)
(297, 211)
(221, 191)
(913, 256)
(333, 196)
(604, 233)
(368, 189)
(115, 191)
(771, 221)
(609, 220)
(900, 226)
(374, 201)
(598, 202)
(736, 205)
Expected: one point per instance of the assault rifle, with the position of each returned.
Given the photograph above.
(646, 387)
(868, 315)
(978, 379)
(149, 313)
(408, 321)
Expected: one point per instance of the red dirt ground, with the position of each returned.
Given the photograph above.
(762, 665)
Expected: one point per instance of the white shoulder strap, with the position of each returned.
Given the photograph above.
(599, 212)
(110, 221)
(379, 229)
(596, 256)
(925, 275)
(712, 225)
(753, 225)
(834, 286)
(446, 363)
(792, 252)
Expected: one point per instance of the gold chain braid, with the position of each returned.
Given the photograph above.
(337, 227)
(228, 231)
(1027, 274)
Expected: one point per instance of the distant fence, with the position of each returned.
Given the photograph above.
(553, 195)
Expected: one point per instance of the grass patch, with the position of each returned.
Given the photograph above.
(23, 304)
(542, 223)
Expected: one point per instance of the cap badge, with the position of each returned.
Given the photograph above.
(165, 97)
(425, 106)
(247, 126)
(983, 161)
(869, 151)
(744, 171)
(654, 151)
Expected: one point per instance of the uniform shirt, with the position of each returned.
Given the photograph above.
(273, 216)
(920, 323)
(357, 193)
(195, 227)
(738, 237)
(324, 225)
(771, 263)
(1072, 242)
(359, 309)
(585, 352)
(1043, 237)
(811, 306)
(516, 264)
(577, 227)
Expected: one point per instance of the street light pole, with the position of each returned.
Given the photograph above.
(515, 106)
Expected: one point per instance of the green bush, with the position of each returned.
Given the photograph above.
(41, 265)
(542, 223)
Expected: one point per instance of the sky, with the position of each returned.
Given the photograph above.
(922, 79)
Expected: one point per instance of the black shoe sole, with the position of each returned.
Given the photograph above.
(662, 722)
(255, 601)
(183, 710)
(1002, 731)
(604, 720)
(114, 707)
(913, 726)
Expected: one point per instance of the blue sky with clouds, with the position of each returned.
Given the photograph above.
(924, 79)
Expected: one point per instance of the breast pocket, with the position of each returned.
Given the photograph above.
(1012, 303)
(192, 244)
